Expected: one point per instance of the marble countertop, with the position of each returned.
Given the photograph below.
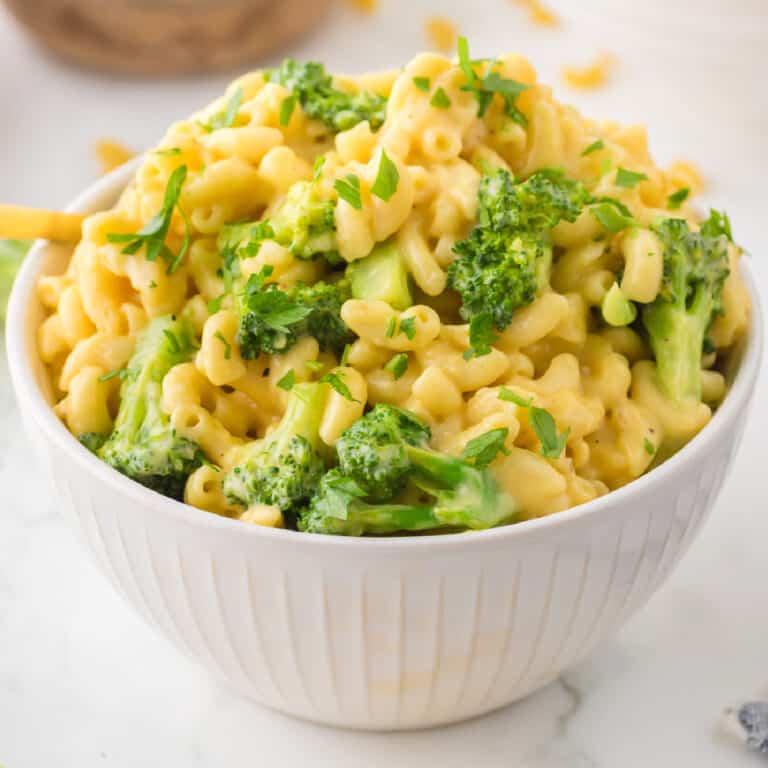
(83, 682)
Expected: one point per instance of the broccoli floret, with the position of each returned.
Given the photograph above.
(143, 444)
(505, 261)
(381, 276)
(313, 87)
(272, 319)
(12, 253)
(284, 468)
(338, 508)
(304, 224)
(695, 269)
(373, 450)
(378, 455)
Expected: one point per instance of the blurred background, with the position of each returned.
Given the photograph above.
(74, 682)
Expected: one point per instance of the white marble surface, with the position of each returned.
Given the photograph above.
(84, 683)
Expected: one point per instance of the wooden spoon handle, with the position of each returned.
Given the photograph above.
(17, 221)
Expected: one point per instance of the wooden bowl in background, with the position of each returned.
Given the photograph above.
(164, 37)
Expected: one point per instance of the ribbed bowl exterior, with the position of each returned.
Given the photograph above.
(377, 634)
(403, 638)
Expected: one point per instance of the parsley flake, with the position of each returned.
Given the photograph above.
(226, 118)
(317, 170)
(287, 381)
(152, 284)
(286, 109)
(169, 152)
(440, 99)
(214, 305)
(391, 326)
(336, 382)
(314, 365)
(422, 83)
(227, 346)
(345, 355)
(676, 199)
(542, 423)
(387, 178)
(595, 146)
(349, 190)
(481, 336)
(120, 373)
(650, 448)
(408, 327)
(398, 365)
(152, 235)
(611, 216)
(483, 450)
(628, 179)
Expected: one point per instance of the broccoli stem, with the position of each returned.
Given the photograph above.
(374, 519)
(381, 276)
(676, 334)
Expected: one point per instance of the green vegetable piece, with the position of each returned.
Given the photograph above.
(313, 88)
(611, 216)
(695, 270)
(542, 423)
(348, 189)
(440, 99)
(483, 450)
(336, 382)
(381, 276)
(481, 336)
(649, 447)
(422, 83)
(676, 199)
(287, 381)
(398, 365)
(143, 444)
(285, 467)
(617, 309)
(226, 118)
(629, 179)
(387, 177)
(595, 146)
(408, 327)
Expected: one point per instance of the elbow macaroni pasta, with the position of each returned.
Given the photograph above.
(597, 382)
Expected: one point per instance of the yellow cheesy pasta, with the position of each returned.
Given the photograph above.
(345, 304)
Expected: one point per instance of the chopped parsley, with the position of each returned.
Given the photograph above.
(214, 305)
(349, 190)
(387, 178)
(227, 346)
(287, 381)
(676, 199)
(440, 99)
(611, 216)
(650, 448)
(152, 284)
(317, 171)
(120, 373)
(481, 336)
(226, 118)
(408, 327)
(336, 382)
(422, 83)
(345, 355)
(541, 422)
(629, 179)
(398, 365)
(595, 146)
(169, 152)
(152, 235)
(314, 365)
(273, 307)
(286, 109)
(484, 449)
(391, 326)
(492, 83)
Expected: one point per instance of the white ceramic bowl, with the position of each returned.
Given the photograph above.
(376, 633)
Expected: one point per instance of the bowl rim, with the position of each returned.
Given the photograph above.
(31, 399)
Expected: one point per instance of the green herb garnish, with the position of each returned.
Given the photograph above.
(227, 346)
(287, 381)
(629, 179)
(408, 327)
(595, 146)
(484, 449)
(481, 336)
(336, 382)
(349, 190)
(398, 365)
(650, 448)
(391, 326)
(440, 99)
(120, 372)
(387, 178)
(676, 199)
(422, 83)
(226, 118)
(541, 422)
